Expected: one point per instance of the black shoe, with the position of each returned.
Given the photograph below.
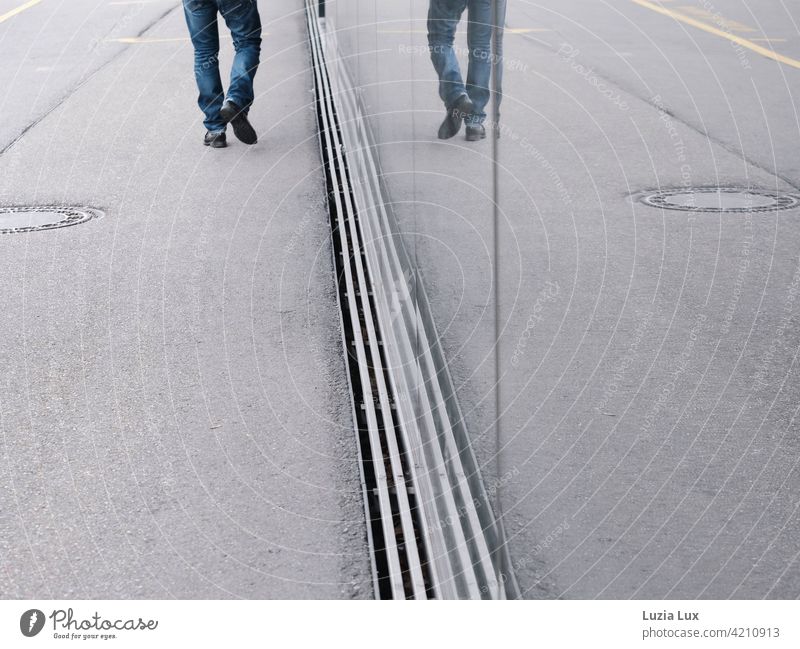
(455, 115)
(475, 132)
(231, 112)
(215, 139)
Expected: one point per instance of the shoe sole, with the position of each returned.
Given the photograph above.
(242, 128)
(463, 107)
(215, 145)
(447, 130)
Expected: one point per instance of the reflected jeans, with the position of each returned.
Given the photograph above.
(443, 19)
(244, 23)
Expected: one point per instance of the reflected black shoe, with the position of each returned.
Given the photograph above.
(475, 132)
(455, 115)
(215, 139)
(233, 114)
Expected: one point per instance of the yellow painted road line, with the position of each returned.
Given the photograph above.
(518, 30)
(18, 10)
(748, 44)
(524, 30)
(140, 40)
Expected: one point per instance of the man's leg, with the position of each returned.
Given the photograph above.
(482, 17)
(443, 17)
(201, 18)
(243, 20)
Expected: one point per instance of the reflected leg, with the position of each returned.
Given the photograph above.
(480, 28)
(201, 18)
(499, 13)
(443, 18)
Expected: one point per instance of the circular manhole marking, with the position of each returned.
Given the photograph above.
(18, 219)
(721, 200)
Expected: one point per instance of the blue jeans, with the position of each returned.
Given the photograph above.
(443, 19)
(244, 23)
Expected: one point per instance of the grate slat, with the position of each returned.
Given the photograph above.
(427, 536)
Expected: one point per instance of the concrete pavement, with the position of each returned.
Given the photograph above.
(648, 377)
(175, 415)
(651, 418)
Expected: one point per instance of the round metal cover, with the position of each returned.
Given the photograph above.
(720, 200)
(33, 218)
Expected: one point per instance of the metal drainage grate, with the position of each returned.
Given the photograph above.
(722, 200)
(430, 523)
(19, 219)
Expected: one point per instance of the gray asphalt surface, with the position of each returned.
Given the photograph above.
(648, 444)
(174, 412)
(660, 458)
(175, 416)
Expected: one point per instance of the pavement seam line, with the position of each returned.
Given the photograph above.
(80, 84)
(622, 86)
